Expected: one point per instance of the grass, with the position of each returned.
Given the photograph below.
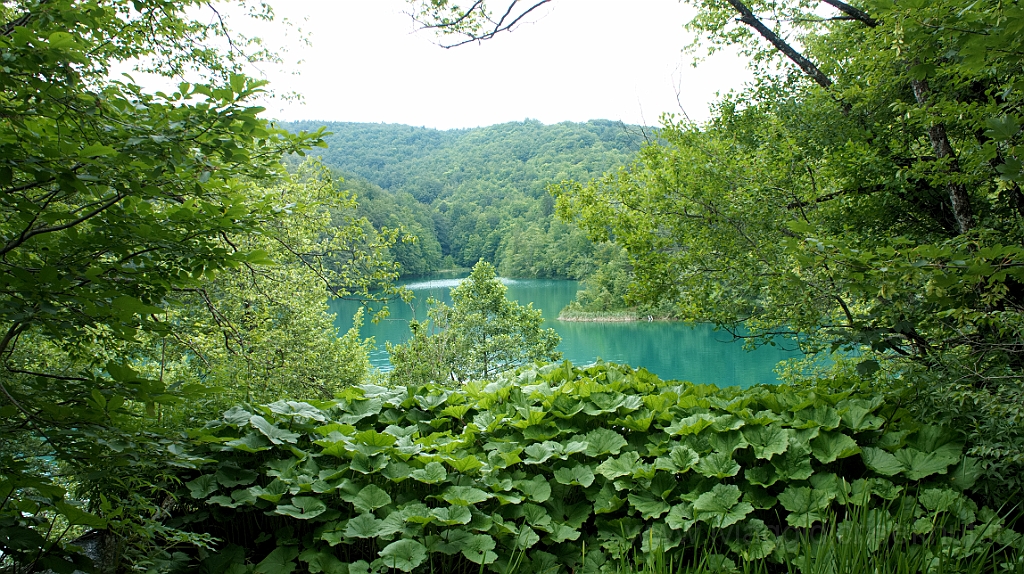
(866, 542)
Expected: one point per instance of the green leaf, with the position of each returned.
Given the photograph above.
(859, 418)
(939, 499)
(452, 515)
(805, 505)
(966, 473)
(404, 555)
(680, 459)
(370, 498)
(464, 465)
(130, 304)
(302, 507)
(649, 505)
(767, 441)
(237, 416)
(1002, 128)
(680, 517)
(251, 442)
(795, 463)
(79, 517)
(721, 506)
(580, 474)
(365, 525)
(604, 441)
(922, 71)
(607, 500)
(97, 150)
(939, 441)
(280, 561)
(233, 476)
(625, 465)
(293, 409)
(659, 538)
(691, 425)
(718, 465)
(833, 486)
(921, 464)
(560, 533)
(537, 453)
(464, 495)
(728, 442)
(272, 492)
(202, 487)
(881, 461)
(536, 489)
(432, 473)
(21, 538)
(323, 562)
(526, 537)
(819, 416)
(478, 548)
(374, 439)
(831, 445)
(752, 541)
(765, 475)
(357, 410)
(276, 435)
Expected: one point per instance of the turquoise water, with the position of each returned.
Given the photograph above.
(673, 351)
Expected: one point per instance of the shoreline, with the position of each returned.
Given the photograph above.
(609, 317)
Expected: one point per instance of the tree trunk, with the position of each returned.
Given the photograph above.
(958, 198)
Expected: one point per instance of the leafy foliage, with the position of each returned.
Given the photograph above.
(536, 463)
(480, 335)
(139, 237)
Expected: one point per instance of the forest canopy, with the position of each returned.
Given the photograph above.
(477, 193)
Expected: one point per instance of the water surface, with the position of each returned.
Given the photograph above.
(671, 350)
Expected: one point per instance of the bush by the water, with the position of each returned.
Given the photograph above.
(560, 468)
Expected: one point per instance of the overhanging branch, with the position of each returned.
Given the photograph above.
(809, 68)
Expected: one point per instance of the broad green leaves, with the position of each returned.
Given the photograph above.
(302, 507)
(426, 484)
(805, 505)
(404, 555)
(721, 506)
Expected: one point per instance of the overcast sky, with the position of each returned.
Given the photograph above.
(575, 60)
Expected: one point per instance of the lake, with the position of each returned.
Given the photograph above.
(671, 350)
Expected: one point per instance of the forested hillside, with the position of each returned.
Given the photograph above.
(477, 193)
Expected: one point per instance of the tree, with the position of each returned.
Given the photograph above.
(260, 332)
(119, 207)
(480, 335)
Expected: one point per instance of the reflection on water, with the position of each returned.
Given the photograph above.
(676, 351)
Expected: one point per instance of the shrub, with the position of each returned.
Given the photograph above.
(561, 468)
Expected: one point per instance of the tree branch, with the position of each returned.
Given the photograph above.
(503, 24)
(809, 68)
(8, 28)
(29, 233)
(854, 13)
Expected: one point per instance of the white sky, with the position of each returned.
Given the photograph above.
(575, 60)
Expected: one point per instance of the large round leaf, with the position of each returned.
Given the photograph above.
(404, 555)
(302, 507)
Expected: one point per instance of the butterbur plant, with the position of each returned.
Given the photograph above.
(567, 469)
